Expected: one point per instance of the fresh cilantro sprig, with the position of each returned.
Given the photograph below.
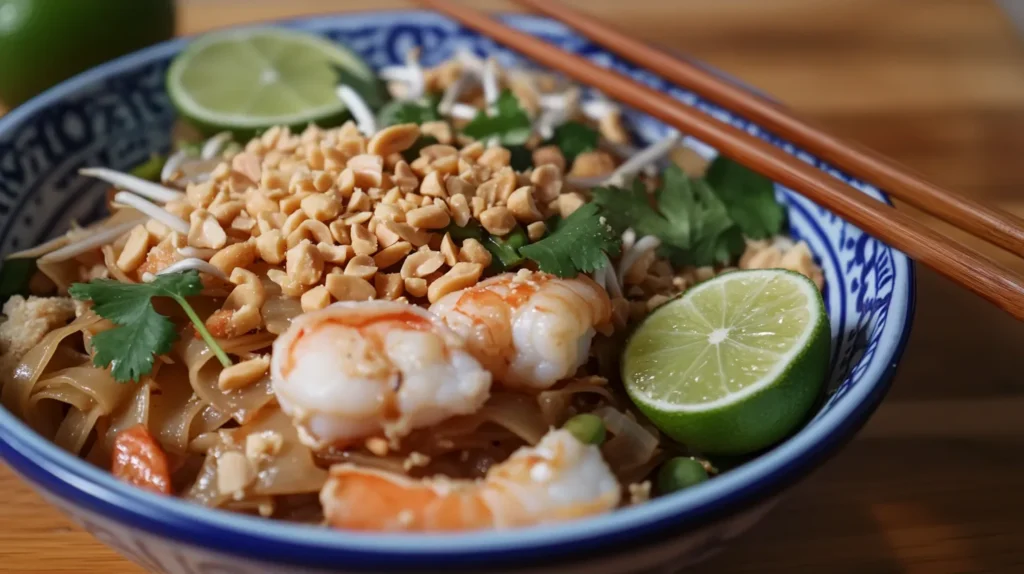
(509, 122)
(749, 198)
(141, 333)
(581, 243)
(685, 214)
(574, 138)
(409, 112)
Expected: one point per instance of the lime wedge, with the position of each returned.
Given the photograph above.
(734, 364)
(248, 80)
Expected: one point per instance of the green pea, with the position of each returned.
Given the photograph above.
(679, 473)
(589, 429)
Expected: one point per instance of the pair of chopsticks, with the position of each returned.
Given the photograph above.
(964, 265)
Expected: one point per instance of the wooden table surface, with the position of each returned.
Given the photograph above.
(933, 483)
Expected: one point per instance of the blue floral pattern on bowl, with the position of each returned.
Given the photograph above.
(118, 114)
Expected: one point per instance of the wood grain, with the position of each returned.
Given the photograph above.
(932, 484)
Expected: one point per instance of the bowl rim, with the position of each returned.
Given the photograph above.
(81, 484)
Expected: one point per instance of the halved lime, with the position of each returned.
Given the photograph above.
(250, 79)
(734, 364)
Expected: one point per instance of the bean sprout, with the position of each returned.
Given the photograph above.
(136, 185)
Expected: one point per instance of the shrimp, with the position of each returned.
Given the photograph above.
(358, 369)
(559, 479)
(529, 329)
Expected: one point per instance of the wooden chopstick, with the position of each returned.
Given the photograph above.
(994, 225)
(978, 273)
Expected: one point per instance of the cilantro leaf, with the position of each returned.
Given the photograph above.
(574, 138)
(141, 332)
(472, 230)
(685, 214)
(749, 198)
(409, 112)
(129, 350)
(510, 123)
(522, 158)
(505, 250)
(579, 244)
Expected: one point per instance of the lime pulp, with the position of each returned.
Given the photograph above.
(733, 365)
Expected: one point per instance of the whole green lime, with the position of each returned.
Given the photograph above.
(43, 42)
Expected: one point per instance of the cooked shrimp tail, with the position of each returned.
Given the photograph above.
(559, 479)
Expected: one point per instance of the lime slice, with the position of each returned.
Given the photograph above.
(734, 364)
(248, 80)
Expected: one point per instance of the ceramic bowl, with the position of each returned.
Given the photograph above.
(117, 114)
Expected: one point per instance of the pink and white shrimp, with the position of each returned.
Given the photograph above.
(559, 479)
(355, 370)
(529, 329)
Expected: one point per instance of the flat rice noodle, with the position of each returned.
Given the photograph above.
(631, 446)
(20, 383)
(75, 429)
(518, 413)
(554, 404)
(133, 411)
(278, 313)
(292, 470)
(203, 370)
(47, 408)
(176, 414)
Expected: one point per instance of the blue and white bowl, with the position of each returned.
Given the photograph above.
(117, 114)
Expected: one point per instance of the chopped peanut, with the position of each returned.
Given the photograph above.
(310, 229)
(204, 231)
(336, 254)
(569, 202)
(271, 246)
(244, 374)
(135, 250)
(458, 186)
(440, 131)
(391, 254)
(405, 178)
(474, 252)
(428, 217)
(433, 185)
(422, 263)
(316, 298)
(536, 230)
(592, 164)
(497, 220)
(234, 256)
(234, 473)
(416, 286)
(393, 139)
(547, 179)
(459, 277)
(363, 242)
(549, 155)
(388, 285)
(361, 266)
(522, 205)
(248, 165)
(367, 170)
(495, 158)
(321, 206)
(449, 250)
(460, 212)
(349, 288)
(304, 264)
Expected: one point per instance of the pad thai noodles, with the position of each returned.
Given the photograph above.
(408, 322)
